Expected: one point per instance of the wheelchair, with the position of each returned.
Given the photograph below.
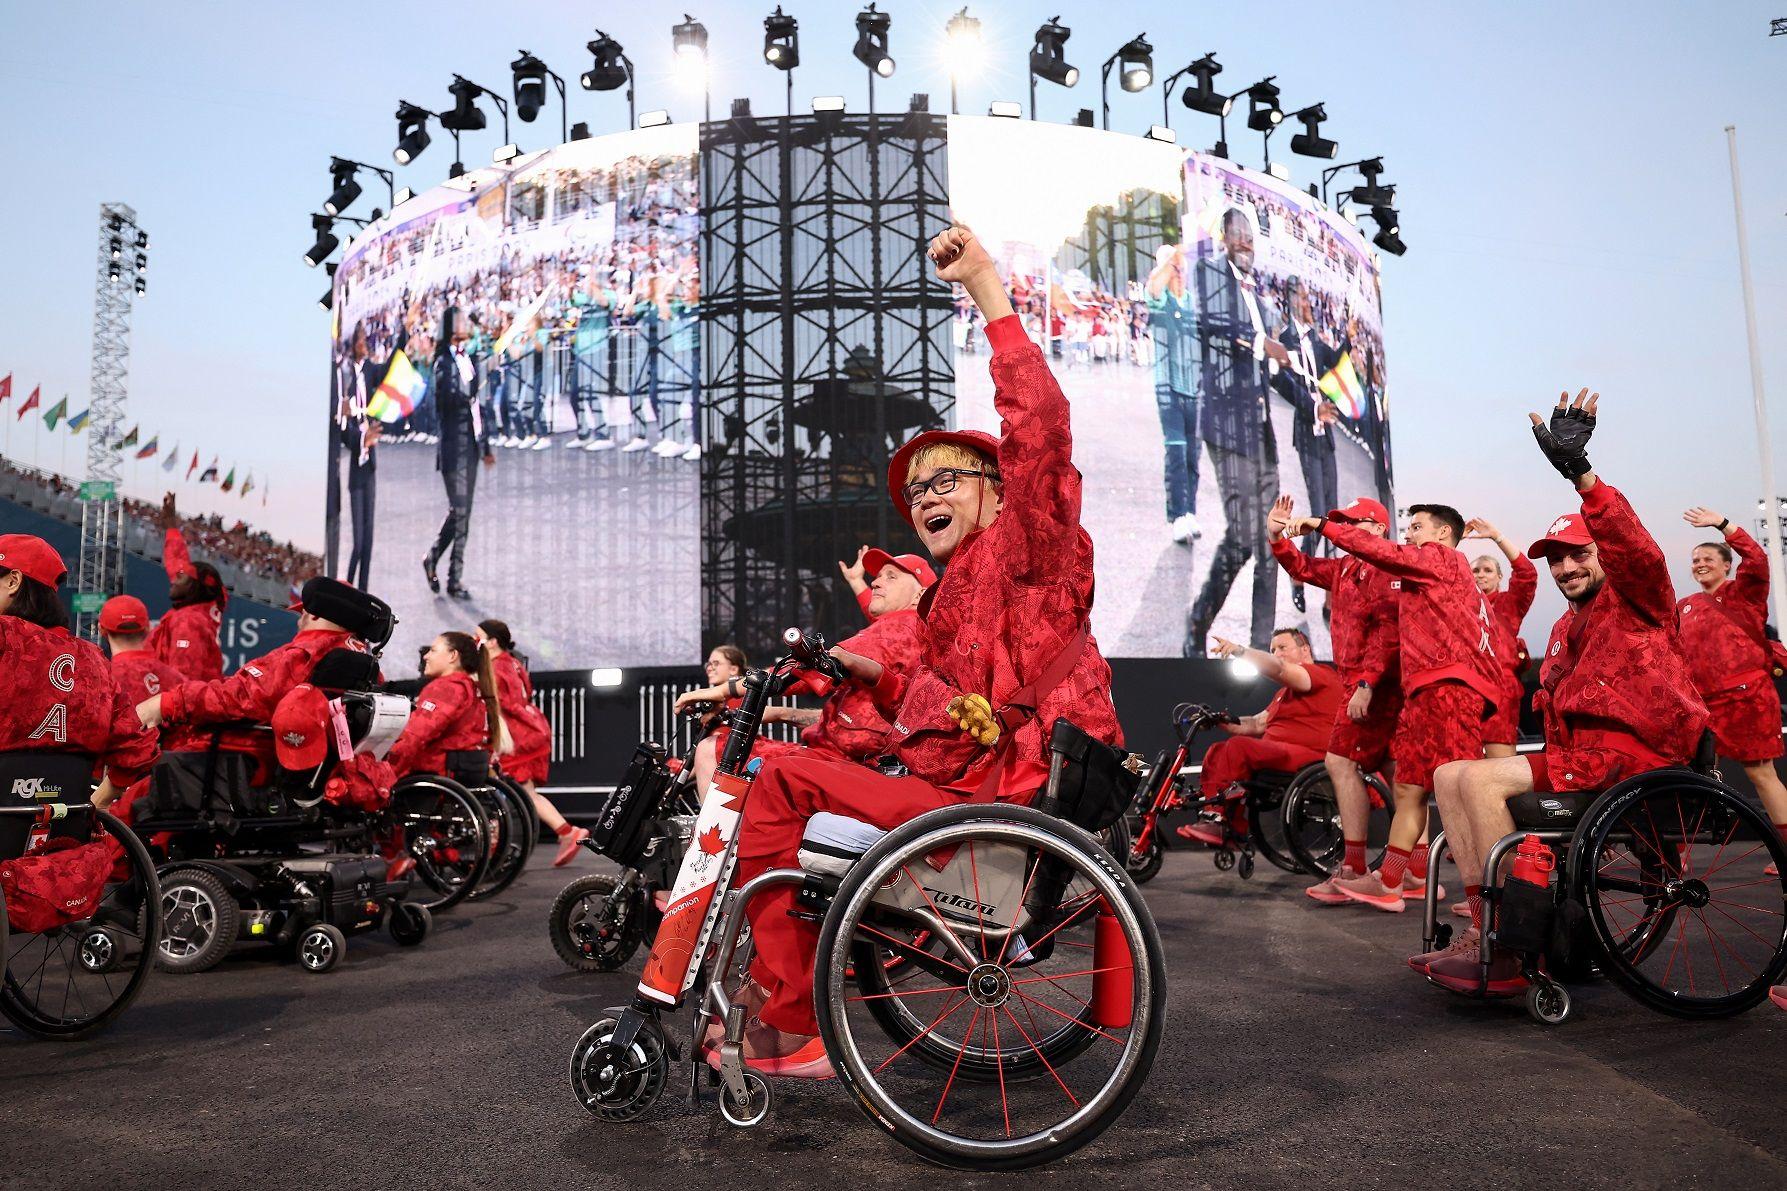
(1660, 887)
(1033, 1001)
(80, 935)
(508, 814)
(1310, 815)
(1169, 789)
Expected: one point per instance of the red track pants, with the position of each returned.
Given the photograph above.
(1240, 757)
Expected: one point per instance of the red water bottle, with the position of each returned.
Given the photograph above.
(1113, 982)
(1533, 862)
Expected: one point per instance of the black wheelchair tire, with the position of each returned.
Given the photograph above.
(627, 940)
(226, 923)
(426, 890)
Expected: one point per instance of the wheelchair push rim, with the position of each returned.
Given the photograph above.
(1036, 1091)
(1687, 920)
(75, 979)
(443, 830)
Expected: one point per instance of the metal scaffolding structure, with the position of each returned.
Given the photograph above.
(119, 277)
(826, 343)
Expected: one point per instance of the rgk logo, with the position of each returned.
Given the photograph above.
(29, 787)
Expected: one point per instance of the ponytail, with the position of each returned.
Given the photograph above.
(475, 660)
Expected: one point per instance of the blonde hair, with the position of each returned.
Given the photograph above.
(936, 455)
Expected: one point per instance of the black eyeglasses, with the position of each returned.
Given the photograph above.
(943, 482)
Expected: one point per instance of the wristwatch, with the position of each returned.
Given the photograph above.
(1364, 685)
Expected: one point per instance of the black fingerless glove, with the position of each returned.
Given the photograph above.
(1565, 441)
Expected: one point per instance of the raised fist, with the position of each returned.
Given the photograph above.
(958, 255)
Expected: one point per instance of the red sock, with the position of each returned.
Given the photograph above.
(565, 830)
(1355, 855)
(1418, 861)
(1474, 895)
(1396, 862)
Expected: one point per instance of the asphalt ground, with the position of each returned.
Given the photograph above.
(1299, 1053)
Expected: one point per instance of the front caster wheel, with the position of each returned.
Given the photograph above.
(1244, 866)
(755, 1107)
(321, 947)
(410, 923)
(1224, 858)
(1548, 1003)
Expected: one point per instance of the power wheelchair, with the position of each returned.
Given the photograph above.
(1660, 887)
(1021, 1026)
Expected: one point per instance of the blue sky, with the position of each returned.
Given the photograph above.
(1561, 172)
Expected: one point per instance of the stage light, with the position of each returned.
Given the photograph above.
(112, 273)
(142, 286)
(412, 132)
(606, 676)
(828, 103)
(505, 154)
(781, 40)
(1160, 132)
(117, 248)
(328, 298)
(142, 261)
(871, 41)
(653, 119)
(1010, 109)
(1242, 670)
(1373, 193)
(142, 239)
(1202, 95)
(325, 240)
(456, 170)
(1310, 142)
(1137, 64)
(529, 75)
(341, 173)
(962, 43)
(580, 131)
(689, 41)
(610, 71)
(1263, 114)
(1048, 57)
(466, 115)
(401, 197)
(1389, 234)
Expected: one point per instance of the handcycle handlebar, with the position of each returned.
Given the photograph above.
(1191, 718)
(808, 651)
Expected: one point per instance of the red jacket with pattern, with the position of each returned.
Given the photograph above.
(1442, 620)
(186, 638)
(1614, 675)
(1361, 613)
(449, 715)
(1721, 630)
(62, 697)
(141, 674)
(252, 692)
(1014, 597)
(528, 725)
(850, 723)
(1507, 609)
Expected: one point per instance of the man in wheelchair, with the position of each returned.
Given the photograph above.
(1290, 733)
(1615, 692)
(1004, 654)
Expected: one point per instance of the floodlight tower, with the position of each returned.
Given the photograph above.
(118, 279)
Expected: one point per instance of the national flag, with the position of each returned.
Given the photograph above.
(193, 466)
(173, 459)
(397, 396)
(31, 402)
(129, 440)
(78, 422)
(55, 413)
(209, 475)
(1340, 384)
(248, 484)
(229, 481)
(149, 448)
(6, 386)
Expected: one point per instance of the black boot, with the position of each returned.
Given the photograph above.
(428, 573)
(1197, 634)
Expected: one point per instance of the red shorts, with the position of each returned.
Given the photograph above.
(1558, 770)
(1367, 743)
(1747, 721)
(1503, 724)
(1439, 723)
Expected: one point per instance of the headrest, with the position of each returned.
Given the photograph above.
(365, 616)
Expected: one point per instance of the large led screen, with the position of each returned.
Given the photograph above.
(543, 468)
(1219, 338)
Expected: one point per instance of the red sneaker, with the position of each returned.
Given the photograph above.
(1370, 890)
(568, 844)
(400, 868)
(1326, 894)
(1778, 994)
(1466, 942)
(1464, 974)
(1414, 888)
(1771, 871)
(1204, 831)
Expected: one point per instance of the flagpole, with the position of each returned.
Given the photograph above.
(1771, 521)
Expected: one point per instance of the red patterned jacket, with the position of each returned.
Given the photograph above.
(1614, 675)
(186, 638)
(528, 725)
(252, 692)
(1014, 596)
(850, 724)
(1721, 630)
(141, 674)
(1507, 609)
(1443, 623)
(61, 697)
(449, 715)
(1361, 613)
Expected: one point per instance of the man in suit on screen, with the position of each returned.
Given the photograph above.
(1238, 334)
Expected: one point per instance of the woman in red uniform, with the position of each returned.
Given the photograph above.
(531, 732)
(454, 711)
(1507, 609)
(723, 667)
(61, 696)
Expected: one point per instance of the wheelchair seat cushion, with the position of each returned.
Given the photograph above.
(1535, 810)
(832, 843)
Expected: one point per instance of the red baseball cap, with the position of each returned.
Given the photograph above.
(900, 464)
(301, 728)
(124, 614)
(1363, 508)
(33, 557)
(1568, 530)
(912, 564)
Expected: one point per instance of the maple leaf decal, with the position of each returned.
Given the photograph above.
(711, 843)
